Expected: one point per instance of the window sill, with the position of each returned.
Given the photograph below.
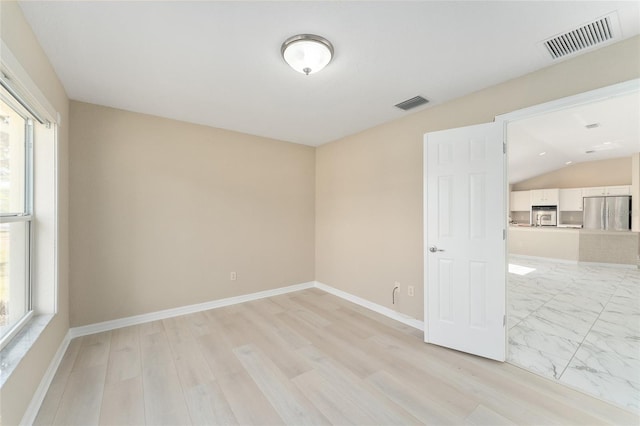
(12, 354)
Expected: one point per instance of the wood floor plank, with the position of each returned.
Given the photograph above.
(208, 405)
(350, 387)
(94, 350)
(304, 357)
(348, 353)
(198, 324)
(49, 407)
(164, 402)
(288, 401)
(82, 399)
(217, 350)
(269, 341)
(124, 355)
(442, 377)
(123, 403)
(191, 366)
(249, 405)
(484, 416)
(331, 401)
(421, 404)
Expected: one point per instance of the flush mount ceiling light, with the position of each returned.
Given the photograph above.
(307, 53)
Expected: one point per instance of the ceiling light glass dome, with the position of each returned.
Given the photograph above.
(307, 53)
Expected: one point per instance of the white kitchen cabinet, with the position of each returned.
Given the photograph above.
(520, 201)
(599, 191)
(618, 190)
(570, 200)
(545, 197)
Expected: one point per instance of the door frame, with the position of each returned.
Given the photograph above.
(590, 96)
(614, 90)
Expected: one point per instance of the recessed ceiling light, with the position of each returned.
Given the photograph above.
(606, 143)
(591, 151)
(568, 163)
(592, 125)
(542, 153)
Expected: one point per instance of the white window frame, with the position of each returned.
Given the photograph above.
(26, 216)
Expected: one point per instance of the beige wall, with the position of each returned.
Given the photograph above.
(616, 171)
(17, 392)
(369, 186)
(552, 243)
(163, 211)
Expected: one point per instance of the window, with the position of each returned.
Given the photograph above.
(16, 142)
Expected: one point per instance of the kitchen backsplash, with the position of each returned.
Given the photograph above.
(520, 217)
(571, 218)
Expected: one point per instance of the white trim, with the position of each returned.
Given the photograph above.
(590, 96)
(405, 319)
(183, 310)
(38, 397)
(20, 79)
(13, 331)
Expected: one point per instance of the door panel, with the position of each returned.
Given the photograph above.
(465, 218)
(478, 294)
(445, 287)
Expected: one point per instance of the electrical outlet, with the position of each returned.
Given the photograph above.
(410, 290)
(234, 276)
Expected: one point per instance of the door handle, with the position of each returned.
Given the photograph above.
(434, 249)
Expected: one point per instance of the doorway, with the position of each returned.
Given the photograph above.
(440, 292)
(571, 318)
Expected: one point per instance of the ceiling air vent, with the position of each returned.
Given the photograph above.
(584, 37)
(412, 103)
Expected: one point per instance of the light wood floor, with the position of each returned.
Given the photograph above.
(301, 358)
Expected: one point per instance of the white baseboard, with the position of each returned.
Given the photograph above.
(574, 262)
(183, 310)
(405, 319)
(38, 397)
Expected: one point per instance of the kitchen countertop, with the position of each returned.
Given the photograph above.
(563, 229)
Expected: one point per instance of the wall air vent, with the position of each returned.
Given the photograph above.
(589, 35)
(412, 103)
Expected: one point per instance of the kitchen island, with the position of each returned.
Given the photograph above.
(580, 245)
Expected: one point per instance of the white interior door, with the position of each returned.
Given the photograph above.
(465, 247)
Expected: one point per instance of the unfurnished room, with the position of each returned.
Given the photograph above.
(319, 212)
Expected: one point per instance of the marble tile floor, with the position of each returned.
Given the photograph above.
(578, 324)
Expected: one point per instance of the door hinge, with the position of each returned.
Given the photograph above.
(504, 147)
(504, 320)
(504, 234)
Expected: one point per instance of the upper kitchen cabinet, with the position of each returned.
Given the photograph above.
(606, 190)
(520, 201)
(570, 200)
(545, 197)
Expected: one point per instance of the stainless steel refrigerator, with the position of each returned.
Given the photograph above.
(610, 213)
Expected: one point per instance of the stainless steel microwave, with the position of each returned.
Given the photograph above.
(544, 216)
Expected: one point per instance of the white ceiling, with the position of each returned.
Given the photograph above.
(563, 136)
(219, 63)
